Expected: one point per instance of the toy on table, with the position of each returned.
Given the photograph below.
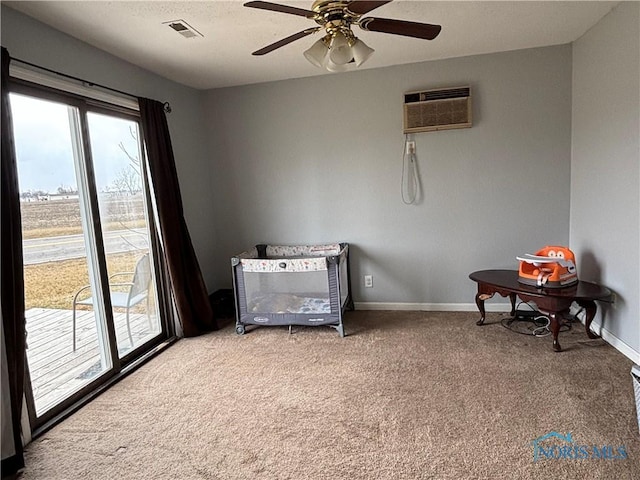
(550, 267)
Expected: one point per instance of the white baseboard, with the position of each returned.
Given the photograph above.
(607, 336)
(616, 343)
(433, 307)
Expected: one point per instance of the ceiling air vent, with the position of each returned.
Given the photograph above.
(183, 28)
(441, 109)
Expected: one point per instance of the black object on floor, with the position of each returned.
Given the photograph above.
(223, 304)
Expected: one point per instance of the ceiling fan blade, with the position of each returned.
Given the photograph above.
(400, 27)
(275, 7)
(285, 41)
(362, 7)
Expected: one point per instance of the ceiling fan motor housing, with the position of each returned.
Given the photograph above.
(335, 17)
(333, 7)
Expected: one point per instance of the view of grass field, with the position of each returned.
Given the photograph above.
(62, 217)
(53, 284)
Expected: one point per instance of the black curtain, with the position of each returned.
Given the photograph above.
(13, 319)
(189, 290)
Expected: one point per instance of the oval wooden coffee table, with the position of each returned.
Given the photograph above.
(554, 302)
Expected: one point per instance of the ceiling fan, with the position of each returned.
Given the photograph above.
(340, 47)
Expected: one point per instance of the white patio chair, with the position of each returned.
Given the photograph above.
(137, 291)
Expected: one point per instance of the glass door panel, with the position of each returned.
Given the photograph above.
(116, 155)
(67, 344)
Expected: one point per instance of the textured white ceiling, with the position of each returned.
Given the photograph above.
(134, 31)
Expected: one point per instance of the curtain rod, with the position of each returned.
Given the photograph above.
(166, 105)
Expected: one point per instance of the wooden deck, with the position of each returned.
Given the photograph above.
(56, 369)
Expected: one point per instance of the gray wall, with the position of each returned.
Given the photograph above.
(320, 159)
(605, 166)
(35, 42)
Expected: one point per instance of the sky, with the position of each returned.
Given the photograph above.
(44, 150)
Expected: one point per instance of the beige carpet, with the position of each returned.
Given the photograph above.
(406, 395)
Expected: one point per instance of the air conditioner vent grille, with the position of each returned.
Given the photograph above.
(440, 109)
(437, 95)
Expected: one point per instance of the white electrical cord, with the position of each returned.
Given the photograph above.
(411, 173)
(541, 321)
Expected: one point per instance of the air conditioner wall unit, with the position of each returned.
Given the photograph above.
(440, 109)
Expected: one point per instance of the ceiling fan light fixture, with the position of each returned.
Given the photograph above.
(340, 50)
(361, 52)
(334, 67)
(317, 53)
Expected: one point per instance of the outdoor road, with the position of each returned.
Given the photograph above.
(49, 249)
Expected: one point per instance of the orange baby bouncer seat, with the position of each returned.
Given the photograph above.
(550, 267)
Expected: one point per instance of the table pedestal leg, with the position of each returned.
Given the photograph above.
(480, 298)
(512, 297)
(555, 329)
(590, 308)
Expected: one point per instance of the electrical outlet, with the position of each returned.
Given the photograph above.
(368, 281)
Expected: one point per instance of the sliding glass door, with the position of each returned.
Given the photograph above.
(92, 284)
(117, 155)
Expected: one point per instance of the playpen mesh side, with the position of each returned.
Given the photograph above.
(240, 293)
(344, 281)
(287, 292)
(335, 299)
